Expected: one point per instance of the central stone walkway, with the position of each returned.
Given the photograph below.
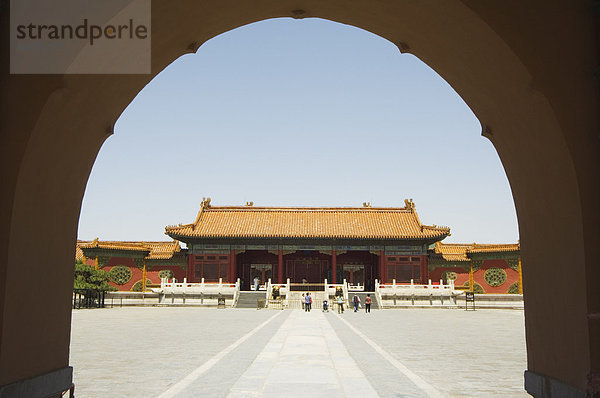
(304, 356)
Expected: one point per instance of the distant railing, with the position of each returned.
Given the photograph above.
(416, 294)
(205, 292)
(415, 289)
(378, 293)
(356, 288)
(168, 284)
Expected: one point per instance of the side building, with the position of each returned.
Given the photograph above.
(129, 263)
(489, 268)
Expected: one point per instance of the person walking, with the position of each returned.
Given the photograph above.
(356, 302)
(368, 303)
(307, 302)
(256, 283)
(302, 301)
(340, 303)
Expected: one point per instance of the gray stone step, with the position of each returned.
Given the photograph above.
(250, 299)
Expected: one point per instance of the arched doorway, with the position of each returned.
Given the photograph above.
(500, 58)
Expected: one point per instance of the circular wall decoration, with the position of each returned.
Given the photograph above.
(449, 276)
(477, 288)
(514, 288)
(494, 276)
(166, 273)
(137, 287)
(120, 274)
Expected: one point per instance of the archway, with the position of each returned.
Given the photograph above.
(497, 57)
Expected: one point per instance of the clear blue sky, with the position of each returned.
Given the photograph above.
(297, 113)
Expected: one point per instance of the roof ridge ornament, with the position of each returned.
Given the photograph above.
(409, 204)
(249, 204)
(205, 203)
(366, 204)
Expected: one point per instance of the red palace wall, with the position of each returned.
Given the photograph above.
(265, 257)
(461, 278)
(512, 276)
(178, 272)
(137, 273)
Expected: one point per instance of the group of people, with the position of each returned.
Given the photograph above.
(356, 303)
(306, 301)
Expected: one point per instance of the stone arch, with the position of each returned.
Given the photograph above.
(501, 59)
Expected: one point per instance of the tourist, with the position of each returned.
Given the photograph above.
(302, 301)
(340, 303)
(256, 283)
(368, 303)
(356, 302)
(307, 302)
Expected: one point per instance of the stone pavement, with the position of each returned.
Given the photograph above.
(196, 352)
(304, 355)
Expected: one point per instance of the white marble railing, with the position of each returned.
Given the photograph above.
(173, 287)
(356, 288)
(395, 289)
(378, 292)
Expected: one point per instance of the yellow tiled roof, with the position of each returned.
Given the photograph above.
(156, 250)
(78, 251)
(492, 248)
(307, 222)
(452, 251)
(162, 250)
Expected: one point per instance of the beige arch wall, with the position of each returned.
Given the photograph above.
(525, 70)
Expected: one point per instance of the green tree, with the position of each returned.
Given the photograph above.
(87, 277)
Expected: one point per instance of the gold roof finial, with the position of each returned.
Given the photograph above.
(409, 204)
(249, 203)
(205, 202)
(366, 204)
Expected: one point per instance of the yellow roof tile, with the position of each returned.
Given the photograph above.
(156, 250)
(493, 248)
(307, 222)
(78, 252)
(452, 251)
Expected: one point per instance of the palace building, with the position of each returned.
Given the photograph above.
(307, 244)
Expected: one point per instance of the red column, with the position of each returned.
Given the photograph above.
(232, 266)
(424, 270)
(382, 277)
(280, 267)
(333, 266)
(190, 267)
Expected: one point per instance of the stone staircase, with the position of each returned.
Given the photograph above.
(363, 297)
(250, 299)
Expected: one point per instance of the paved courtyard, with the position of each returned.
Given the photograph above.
(198, 352)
